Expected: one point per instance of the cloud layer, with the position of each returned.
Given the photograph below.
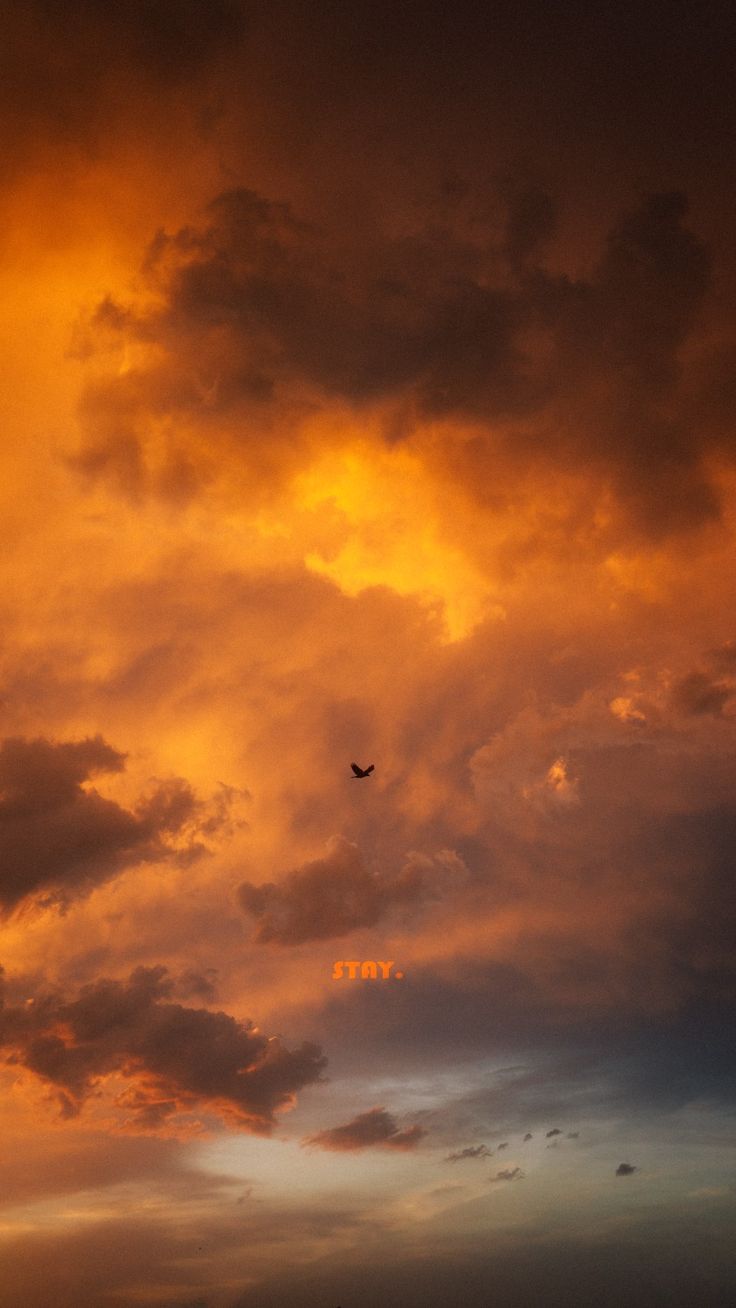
(368, 394)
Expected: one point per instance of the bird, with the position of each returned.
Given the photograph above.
(361, 772)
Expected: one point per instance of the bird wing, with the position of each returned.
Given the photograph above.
(370, 769)
(358, 771)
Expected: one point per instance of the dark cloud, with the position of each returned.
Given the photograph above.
(528, 1136)
(59, 837)
(509, 1174)
(334, 895)
(263, 313)
(723, 656)
(699, 693)
(356, 323)
(473, 1151)
(618, 341)
(555, 1131)
(177, 1059)
(201, 985)
(625, 1169)
(649, 282)
(504, 1145)
(260, 306)
(376, 1127)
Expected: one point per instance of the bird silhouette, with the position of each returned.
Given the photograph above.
(361, 772)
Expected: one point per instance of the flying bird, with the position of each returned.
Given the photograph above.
(361, 772)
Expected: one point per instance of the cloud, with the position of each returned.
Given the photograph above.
(358, 324)
(260, 318)
(177, 1060)
(625, 1169)
(509, 1174)
(473, 1151)
(633, 318)
(201, 985)
(555, 1131)
(376, 1127)
(528, 1136)
(723, 657)
(59, 837)
(334, 895)
(699, 693)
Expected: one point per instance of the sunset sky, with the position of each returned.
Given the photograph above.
(368, 393)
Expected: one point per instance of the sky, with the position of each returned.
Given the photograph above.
(367, 395)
